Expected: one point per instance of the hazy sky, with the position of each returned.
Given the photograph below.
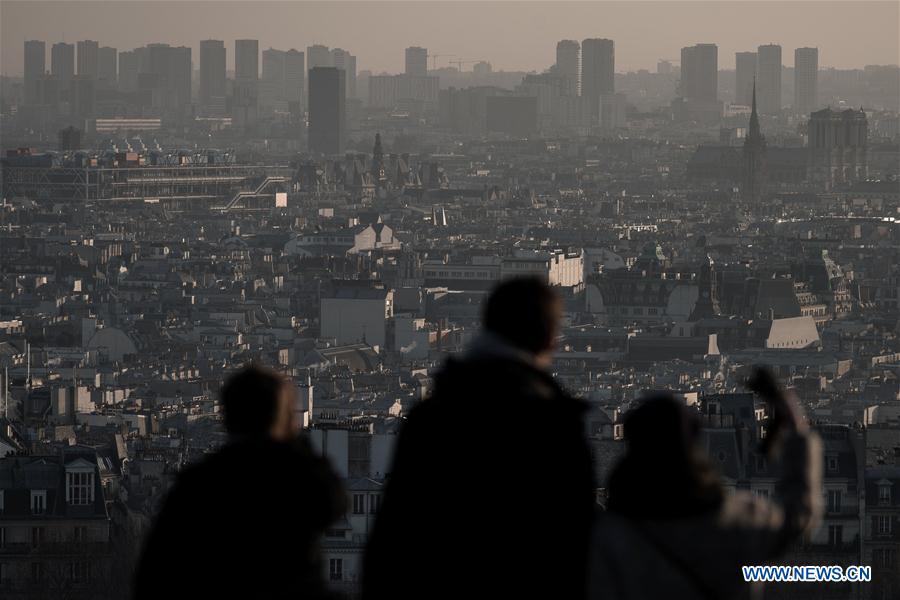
(510, 35)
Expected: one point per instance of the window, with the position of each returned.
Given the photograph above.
(373, 503)
(80, 534)
(834, 501)
(883, 524)
(336, 569)
(2, 500)
(832, 463)
(835, 535)
(37, 536)
(884, 494)
(883, 557)
(2, 537)
(35, 572)
(38, 502)
(359, 504)
(762, 493)
(80, 571)
(79, 487)
(762, 464)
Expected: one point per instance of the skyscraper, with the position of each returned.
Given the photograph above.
(598, 65)
(294, 76)
(416, 61)
(568, 53)
(327, 110)
(88, 58)
(318, 55)
(273, 65)
(246, 60)
(806, 79)
(62, 63)
(129, 67)
(35, 66)
(745, 74)
(271, 82)
(107, 67)
(180, 71)
(768, 81)
(212, 73)
(343, 60)
(246, 82)
(700, 73)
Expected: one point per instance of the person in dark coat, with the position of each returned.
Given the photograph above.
(672, 531)
(491, 491)
(246, 521)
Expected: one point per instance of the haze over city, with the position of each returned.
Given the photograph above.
(446, 300)
(493, 31)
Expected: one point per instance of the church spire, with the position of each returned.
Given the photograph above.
(753, 132)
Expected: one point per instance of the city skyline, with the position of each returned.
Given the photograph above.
(644, 32)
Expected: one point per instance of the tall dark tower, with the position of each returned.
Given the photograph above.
(378, 157)
(707, 304)
(754, 167)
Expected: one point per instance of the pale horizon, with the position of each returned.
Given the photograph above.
(378, 32)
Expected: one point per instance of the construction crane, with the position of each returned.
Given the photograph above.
(434, 58)
(460, 63)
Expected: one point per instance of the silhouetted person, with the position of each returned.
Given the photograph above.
(671, 531)
(490, 494)
(245, 522)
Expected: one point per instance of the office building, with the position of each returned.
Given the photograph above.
(84, 96)
(62, 63)
(513, 115)
(88, 58)
(700, 73)
(768, 79)
(212, 73)
(246, 60)
(246, 83)
(598, 63)
(318, 55)
(271, 83)
(35, 66)
(745, 74)
(416, 61)
(294, 79)
(568, 53)
(346, 62)
(129, 67)
(107, 67)
(806, 79)
(327, 110)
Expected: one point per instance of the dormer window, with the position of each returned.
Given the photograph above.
(832, 463)
(80, 483)
(38, 502)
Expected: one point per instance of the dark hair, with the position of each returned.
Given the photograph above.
(250, 400)
(523, 311)
(664, 473)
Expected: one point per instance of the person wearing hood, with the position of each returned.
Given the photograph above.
(491, 488)
(672, 531)
(246, 521)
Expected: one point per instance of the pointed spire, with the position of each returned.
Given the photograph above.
(754, 135)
